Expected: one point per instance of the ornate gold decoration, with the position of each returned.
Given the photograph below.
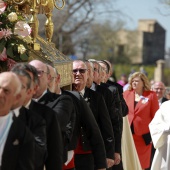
(44, 49)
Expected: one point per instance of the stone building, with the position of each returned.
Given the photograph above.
(145, 45)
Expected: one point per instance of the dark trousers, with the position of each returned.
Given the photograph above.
(84, 162)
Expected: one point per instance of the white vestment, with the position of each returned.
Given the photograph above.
(160, 133)
(129, 155)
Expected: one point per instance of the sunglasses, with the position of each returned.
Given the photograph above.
(81, 71)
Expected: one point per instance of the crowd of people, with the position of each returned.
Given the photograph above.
(93, 126)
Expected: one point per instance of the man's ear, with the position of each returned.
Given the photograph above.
(29, 91)
(49, 77)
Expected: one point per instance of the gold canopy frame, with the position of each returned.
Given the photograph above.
(44, 49)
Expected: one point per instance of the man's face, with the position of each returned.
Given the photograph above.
(7, 93)
(104, 70)
(90, 75)
(96, 72)
(43, 77)
(80, 73)
(159, 89)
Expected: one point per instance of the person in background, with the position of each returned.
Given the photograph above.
(159, 89)
(123, 80)
(142, 104)
(167, 93)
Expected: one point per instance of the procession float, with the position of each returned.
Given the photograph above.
(20, 40)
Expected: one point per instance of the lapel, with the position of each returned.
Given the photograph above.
(86, 92)
(130, 100)
(32, 104)
(141, 104)
(44, 98)
(23, 114)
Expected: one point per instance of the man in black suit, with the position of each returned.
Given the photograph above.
(98, 108)
(17, 146)
(34, 122)
(94, 72)
(54, 158)
(122, 109)
(61, 104)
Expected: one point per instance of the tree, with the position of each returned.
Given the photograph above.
(72, 23)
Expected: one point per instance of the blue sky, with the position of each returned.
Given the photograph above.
(146, 9)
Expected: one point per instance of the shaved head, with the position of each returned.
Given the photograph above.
(10, 87)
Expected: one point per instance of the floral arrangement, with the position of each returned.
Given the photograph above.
(13, 32)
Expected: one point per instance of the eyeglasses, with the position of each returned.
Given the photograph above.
(158, 89)
(40, 72)
(81, 71)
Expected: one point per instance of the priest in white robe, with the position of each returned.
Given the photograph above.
(160, 133)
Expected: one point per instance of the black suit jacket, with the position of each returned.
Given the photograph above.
(113, 86)
(87, 128)
(101, 114)
(116, 119)
(54, 138)
(18, 153)
(63, 106)
(37, 126)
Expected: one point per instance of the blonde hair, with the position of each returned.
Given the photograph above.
(146, 83)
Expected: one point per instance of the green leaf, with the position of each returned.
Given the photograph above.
(24, 57)
(10, 52)
(2, 44)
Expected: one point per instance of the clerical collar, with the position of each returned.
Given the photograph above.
(37, 99)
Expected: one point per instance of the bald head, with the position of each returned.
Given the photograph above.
(10, 87)
(11, 79)
(159, 88)
(39, 65)
(43, 72)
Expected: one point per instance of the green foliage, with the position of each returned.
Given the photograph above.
(120, 69)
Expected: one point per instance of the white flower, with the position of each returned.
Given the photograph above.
(22, 29)
(21, 49)
(12, 17)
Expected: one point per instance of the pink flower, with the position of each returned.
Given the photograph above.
(22, 29)
(5, 33)
(2, 6)
(3, 55)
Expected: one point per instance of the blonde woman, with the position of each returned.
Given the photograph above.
(142, 104)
